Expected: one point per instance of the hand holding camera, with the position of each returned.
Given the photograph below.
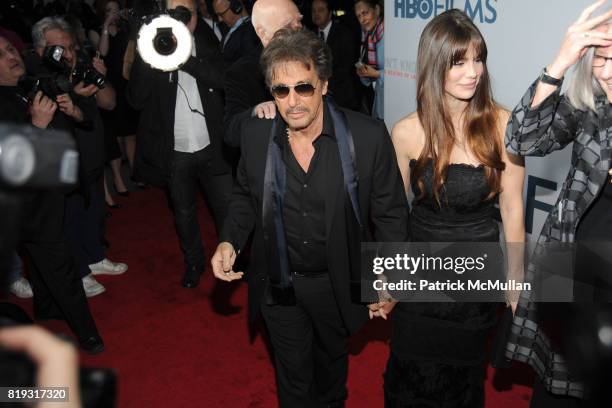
(42, 110)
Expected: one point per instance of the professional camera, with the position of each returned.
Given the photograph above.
(164, 41)
(85, 71)
(51, 84)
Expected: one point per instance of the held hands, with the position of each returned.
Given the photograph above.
(265, 110)
(223, 261)
(584, 33)
(381, 309)
(367, 71)
(42, 110)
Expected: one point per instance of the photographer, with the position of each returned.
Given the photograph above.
(84, 207)
(180, 136)
(58, 293)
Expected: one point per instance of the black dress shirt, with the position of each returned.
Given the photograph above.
(304, 204)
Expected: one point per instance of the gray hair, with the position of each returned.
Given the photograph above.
(46, 24)
(584, 87)
(300, 46)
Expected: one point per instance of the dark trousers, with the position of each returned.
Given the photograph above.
(310, 345)
(83, 224)
(190, 172)
(58, 290)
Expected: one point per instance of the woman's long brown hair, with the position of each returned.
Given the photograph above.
(446, 40)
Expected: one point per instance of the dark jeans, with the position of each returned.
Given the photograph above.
(83, 222)
(310, 345)
(191, 171)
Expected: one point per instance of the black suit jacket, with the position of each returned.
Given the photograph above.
(245, 87)
(154, 92)
(241, 42)
(381, 198)
(344, 83)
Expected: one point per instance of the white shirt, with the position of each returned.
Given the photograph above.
(326, 30)
(190, 131)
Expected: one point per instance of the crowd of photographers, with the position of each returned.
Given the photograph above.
(65, 66)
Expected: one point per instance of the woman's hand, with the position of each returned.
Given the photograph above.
(368, 71)
(584, 33)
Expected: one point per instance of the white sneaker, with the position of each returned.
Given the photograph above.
(108, 267)
(21, 288)
(92, 286)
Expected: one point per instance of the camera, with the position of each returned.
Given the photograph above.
(84, 71)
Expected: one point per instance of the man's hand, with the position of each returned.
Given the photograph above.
(86, 91)
(265, 110)
(64, 101)
(223, 261)
(42, 110)
(381, 309)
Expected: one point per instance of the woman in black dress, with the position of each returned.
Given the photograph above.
(121, 122)
(545, 121)
(451, 156)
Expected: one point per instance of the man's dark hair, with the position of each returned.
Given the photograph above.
(300, 46)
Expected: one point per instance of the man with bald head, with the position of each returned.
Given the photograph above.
(180, 137)
(245, 90)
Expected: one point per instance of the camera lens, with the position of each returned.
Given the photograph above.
(164, 42)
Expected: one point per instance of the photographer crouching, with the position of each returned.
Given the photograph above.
(57, 54)
(58, 291)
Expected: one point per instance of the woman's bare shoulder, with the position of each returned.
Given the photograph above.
(408, 135)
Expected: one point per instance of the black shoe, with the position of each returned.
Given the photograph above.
(190, 281)
(113, 206)
(92, 345)
(191, 278)
(125, 193)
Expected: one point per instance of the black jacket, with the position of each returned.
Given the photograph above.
(154, 93)
(241, 42)
(382, 201)
(245, 87)
(344, 84)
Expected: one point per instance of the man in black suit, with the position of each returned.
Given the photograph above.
(241, 39)
(245, 89)
(180, 138)
(344, 84)
(311, 182)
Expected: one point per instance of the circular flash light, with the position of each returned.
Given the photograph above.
(17, 160)
(148, 36)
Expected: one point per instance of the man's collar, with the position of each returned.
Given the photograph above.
(328, 127)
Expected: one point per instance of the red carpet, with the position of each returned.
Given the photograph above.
(173, 347)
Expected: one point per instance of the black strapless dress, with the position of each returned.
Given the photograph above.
(438, 350)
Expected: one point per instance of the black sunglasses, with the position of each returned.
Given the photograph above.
(282, 91)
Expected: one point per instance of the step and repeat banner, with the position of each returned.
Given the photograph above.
(522, 36)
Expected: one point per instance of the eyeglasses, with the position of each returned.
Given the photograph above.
(282, 91)
(599, 61)
(224, 11)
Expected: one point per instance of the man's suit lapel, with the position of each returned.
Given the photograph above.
(334, 187)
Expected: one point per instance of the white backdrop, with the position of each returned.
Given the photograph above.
(522, 37)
